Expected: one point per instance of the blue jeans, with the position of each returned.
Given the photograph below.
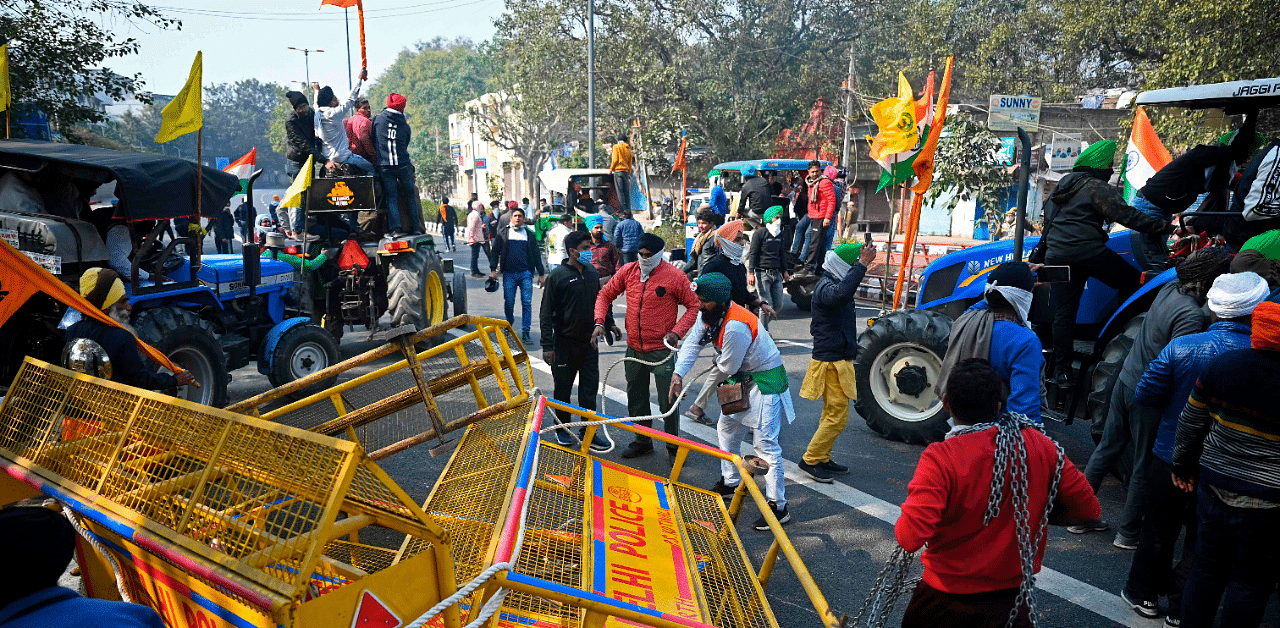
(524, 281)
(397, 181)
(446, 232)
(361, 163)
(291, 170)
(1236, 550)
(800, 241)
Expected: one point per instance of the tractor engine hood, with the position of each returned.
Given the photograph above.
(225, 274)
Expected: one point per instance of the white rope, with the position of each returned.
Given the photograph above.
(490, 607)
(88, 537)
(675, 405)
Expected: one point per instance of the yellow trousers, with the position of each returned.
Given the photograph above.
(835, 384)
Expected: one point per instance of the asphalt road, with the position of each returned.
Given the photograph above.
(843, 531)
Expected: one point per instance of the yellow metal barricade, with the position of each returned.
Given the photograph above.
(471, 374)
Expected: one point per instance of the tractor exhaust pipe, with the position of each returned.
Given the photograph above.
(1024, 176)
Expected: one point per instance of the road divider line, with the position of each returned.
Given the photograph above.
(1079, 593)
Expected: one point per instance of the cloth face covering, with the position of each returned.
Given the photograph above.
(584, 257)
(647, 264)
(1017, 297)
(837, 266)
(775, 227)
(731, 250)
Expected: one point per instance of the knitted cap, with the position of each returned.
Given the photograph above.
(325, 96)
(396, 101)
(713, 287)
(652, 243)
(1258, 140)
(1015, 274)
(849, 252)
(771, 213)
(295, 99)
(102, 287)
(731, 230)
(1098, 156)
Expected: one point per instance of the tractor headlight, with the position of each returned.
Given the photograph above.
(86, 356)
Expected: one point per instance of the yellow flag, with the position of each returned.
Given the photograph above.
(4, 77)
(186, 112)
(293, 196)
(896, 118)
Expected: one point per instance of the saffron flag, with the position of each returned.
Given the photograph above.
(344, 4)
(359, 5)
(186, 112)
(242, 168)
(923, 163)
(22, 278)
(4, 77)
(1144, 156)
(680, 159)
(292, 197)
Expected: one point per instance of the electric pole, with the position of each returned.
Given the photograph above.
(591, 83)
(848, 114)
(306, 54)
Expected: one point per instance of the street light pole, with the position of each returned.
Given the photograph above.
(346, 18)
(591, 83)
(306, 54)
(848, 114)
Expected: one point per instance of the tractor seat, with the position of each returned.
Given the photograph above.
(352, 255)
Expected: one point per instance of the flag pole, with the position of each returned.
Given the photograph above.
(199, 171)
(888, 247)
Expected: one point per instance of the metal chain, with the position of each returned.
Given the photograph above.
(890, 584)
(1011, 447)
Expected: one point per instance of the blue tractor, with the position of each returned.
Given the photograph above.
(208, 314)
(900, 353)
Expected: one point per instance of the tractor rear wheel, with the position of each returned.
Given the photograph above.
(1107, 372)
(415, 289)
(899, 361)
(189, 342)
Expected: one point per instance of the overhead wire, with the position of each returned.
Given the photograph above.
(440, 5)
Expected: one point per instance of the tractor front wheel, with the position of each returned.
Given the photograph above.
(303, 350)
(189, 342)
(898, 366)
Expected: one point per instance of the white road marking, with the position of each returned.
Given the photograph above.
(1080, 593)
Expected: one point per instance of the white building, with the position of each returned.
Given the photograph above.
(482, 166)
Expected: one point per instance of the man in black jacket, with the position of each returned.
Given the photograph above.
(300, 138)
(756, 196)
(567, 319)
(767, 261)
(1075, 235)
(391, 139)
(830, 377)
(104, 288)
(517, 256)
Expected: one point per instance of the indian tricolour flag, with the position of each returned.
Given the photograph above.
(1144, 156)
(242, 168)
(897, 168)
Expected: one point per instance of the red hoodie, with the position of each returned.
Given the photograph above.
(656, 302)
(947, 499)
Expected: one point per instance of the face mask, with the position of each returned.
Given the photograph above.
(584, 257)
(731, 250)
(774, 227)
(647, 264)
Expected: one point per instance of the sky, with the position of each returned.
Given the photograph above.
(244, 39)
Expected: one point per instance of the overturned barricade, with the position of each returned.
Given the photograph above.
(217, 518)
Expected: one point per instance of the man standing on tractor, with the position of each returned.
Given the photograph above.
(620, 164)
(104, 288)
(747, 354)
(719, 200)
(655, 291)
(300, 136)
(330, 128)
(391, 130)
(566, 320)
(830, 377)
(822, 211)
(1074, 236)
(518, 258)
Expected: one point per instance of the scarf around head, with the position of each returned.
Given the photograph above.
(1017, 297)
(731, 250)
(836, 266)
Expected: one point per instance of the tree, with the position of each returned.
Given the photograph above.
(966, 167)
(437, 78)
(56, 51)
(531, 129)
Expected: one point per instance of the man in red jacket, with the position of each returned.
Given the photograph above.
(822, 211)
(973, 572)
(655, 291)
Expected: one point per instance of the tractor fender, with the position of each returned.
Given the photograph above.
(273, 337)
(198, 295)
(1136, 304)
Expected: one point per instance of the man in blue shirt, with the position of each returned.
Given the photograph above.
(517, 255)
(719, 200)
(39, 544)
